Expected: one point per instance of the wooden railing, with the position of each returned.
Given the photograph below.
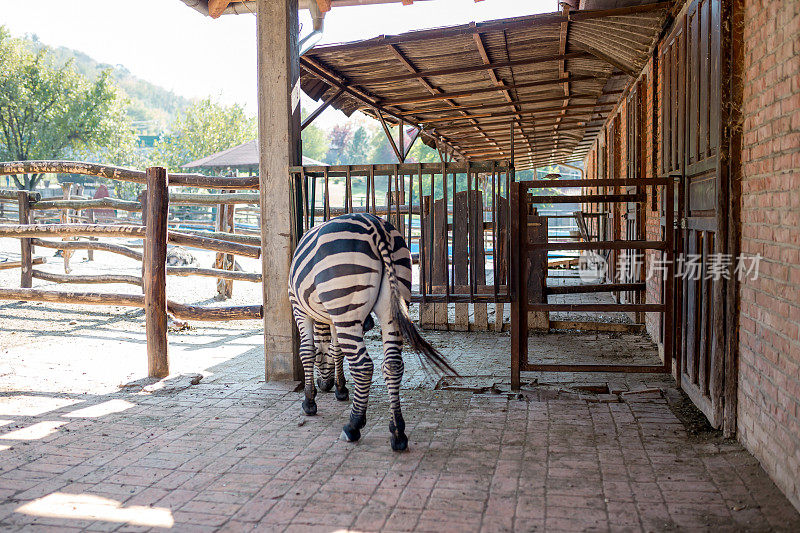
(152, 230)
(453, 216)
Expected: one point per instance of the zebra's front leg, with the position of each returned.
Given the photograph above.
(306, 327)
(350, 340)
(393, 376)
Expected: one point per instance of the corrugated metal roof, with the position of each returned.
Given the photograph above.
(555, 77)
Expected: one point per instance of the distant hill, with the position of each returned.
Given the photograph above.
(152, 108)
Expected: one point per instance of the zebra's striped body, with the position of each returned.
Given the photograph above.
(342, 270)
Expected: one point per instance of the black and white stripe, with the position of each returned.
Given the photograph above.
(342, 271)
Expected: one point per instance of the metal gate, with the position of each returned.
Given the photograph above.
(529, 247)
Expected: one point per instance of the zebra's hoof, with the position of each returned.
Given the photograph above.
(399, 442)
(309, 407)
(325, 385)
(351, 434)
(342, 394)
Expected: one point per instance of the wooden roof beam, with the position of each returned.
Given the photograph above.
(217, 7)
(610, 60)
(464, 94)
(431, 89)
(562, 65)
(317, 70)
(474, 68)
(400, 158)
(478, 38)
(520, 114)
(520, 155)
(506, 139)
(481, 107)
(503, 126)
(310, 118)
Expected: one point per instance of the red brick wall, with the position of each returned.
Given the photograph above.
(769, 340)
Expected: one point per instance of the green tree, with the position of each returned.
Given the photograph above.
(203, 129)
(357, 150)
(50, 111)
(315, 142)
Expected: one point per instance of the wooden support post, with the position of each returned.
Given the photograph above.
(26, 276)
(279, 148)
(155, 272)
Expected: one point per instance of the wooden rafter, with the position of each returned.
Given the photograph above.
(317, 70)
(478, 38)
(608, 59)
(310, 118)
(519, 114)
(482, 107)
(217, 7)
(483, 90)
(562, 70)
(473, 68)
(430, 88)
(392, 142)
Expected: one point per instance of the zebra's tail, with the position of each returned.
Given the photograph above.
(405, 324)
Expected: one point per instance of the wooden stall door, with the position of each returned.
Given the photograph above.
(691, 149)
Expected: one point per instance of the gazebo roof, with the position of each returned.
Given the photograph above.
(244, 155)
(554, 76)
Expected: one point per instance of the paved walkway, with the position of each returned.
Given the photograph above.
(233, 453)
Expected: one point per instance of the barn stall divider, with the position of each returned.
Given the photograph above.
(453, 216)
(153, 230)
(530, 243)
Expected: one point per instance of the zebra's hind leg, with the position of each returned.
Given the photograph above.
(306, 327)
(350, 339)
(341, 392)
(324, 361)
(393, 376)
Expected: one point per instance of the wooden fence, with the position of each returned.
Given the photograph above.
(153, 229)
(453, 216)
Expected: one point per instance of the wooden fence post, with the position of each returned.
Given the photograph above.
(142, 199)
(90, 252)
(155, 272)
(26, 277)
(66, 189)
(225, 223)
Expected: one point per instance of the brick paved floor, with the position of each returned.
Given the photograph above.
(233, 453)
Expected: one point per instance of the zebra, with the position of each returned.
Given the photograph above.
(343, 270)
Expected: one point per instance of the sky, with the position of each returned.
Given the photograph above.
(167, 43)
